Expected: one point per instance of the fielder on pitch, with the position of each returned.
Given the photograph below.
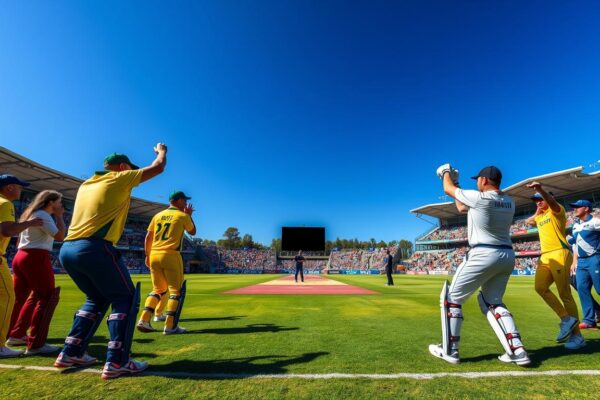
(488, 265)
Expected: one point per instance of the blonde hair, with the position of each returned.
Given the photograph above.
(40, 201)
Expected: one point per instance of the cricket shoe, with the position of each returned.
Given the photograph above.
(575, 342)
(566, 328)
(113, 370)
(584, 325)
(65, 361)
(436, 350)
(15, 341)
(174, 331)
(5, 352)
(160, 318)
(520, 357)
(45, 349)
(145, 327)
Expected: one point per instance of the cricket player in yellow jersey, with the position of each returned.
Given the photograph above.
(10, 190)
(89, 256)
(554, 265)
(163, 245)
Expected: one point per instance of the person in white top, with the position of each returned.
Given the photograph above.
(488, 265)
(35, 294)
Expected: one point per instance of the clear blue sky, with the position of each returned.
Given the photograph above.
(330, 113)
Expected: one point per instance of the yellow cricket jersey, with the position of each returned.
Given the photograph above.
(168, 227)
(102, 204)
(7, 214)
(552, 228)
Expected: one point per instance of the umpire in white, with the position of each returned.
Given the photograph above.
(488, 265)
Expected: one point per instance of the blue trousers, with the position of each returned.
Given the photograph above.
(299, 270)
(588, 276)
(96, 268)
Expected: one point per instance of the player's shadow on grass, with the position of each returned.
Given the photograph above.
(234, 368)
(253, 328)
(538, 356)
(231, 318)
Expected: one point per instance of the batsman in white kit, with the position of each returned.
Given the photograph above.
(488, 265)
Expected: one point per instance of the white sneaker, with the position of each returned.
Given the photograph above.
(112, 370)
(14, 341)
(575, 342)
(45, 349)
(5, 352)
(520, 358)
(436, 350)
(566, 328)
(174, 331)
(160, 318)
(144, 326)
(65, 361)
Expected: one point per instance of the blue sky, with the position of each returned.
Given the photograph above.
(316, 113)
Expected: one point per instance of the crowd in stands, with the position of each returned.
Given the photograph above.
(445, 260)
(360, 259)
(453, 233)
(309, 265)
(526, 263)
(527, 246)
(247, 259)
(460, 232)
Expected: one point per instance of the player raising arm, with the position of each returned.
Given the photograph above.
(554, 265)
(90, 258)
(163, 244)
(488, 265)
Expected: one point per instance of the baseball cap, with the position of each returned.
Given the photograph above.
(490, 172)
(7, 179)
(582, 203)
(116, 158)
(178, 195)
(538, 196)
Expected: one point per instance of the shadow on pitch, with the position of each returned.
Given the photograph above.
(235, 368)
(538, 356)
(231, 318)
(253, 328)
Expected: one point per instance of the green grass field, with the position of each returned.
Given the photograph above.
(284, 334)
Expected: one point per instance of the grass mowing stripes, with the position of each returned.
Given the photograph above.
(271, 334)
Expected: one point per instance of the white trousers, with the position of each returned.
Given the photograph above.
(485, 268)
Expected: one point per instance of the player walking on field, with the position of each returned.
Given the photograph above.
(554, 265)
(95, 265)
(10, 190)
(163, 245)
(488, 265)
(33, 276)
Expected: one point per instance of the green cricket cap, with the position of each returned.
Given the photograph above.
(116, 158)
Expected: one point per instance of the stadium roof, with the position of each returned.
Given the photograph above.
(42, 177)
(561, 183)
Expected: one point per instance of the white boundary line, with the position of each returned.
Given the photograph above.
(414, 376)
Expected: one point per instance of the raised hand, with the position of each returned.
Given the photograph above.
(534, 185)
(442, 169)
(188, 209)
(59, 210)
(160, 148)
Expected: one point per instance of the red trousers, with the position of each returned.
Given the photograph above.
(33, 279)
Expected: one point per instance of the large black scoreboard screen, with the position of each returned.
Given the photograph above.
(309, 239)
